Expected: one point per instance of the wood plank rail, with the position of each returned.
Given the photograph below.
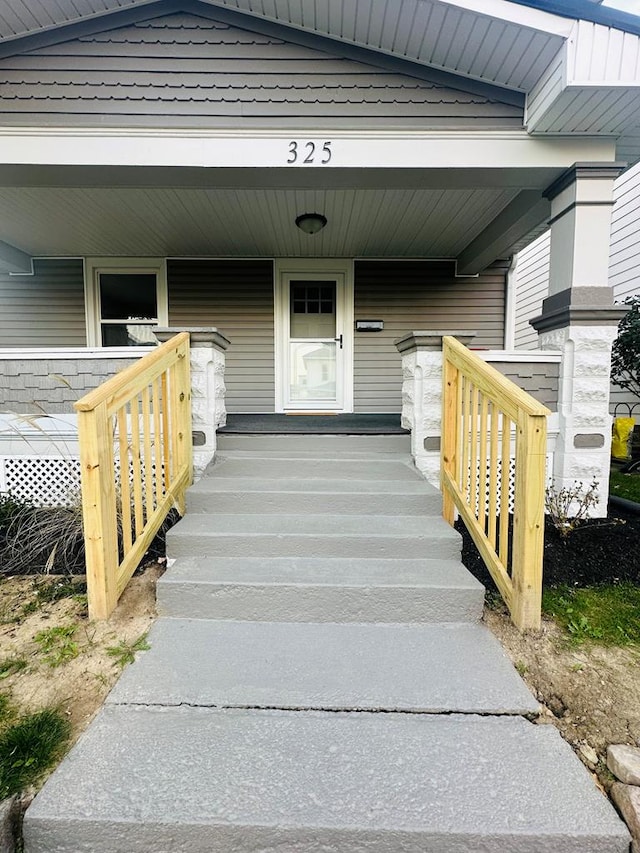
(484, 414)
(134, 433)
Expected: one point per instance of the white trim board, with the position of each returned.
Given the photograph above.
(93, 266)
(284, 268)
(270, 148)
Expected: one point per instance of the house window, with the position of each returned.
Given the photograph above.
(125, 301)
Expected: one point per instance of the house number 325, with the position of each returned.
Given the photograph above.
(309, 152)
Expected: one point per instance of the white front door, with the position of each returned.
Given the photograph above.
(314, 353)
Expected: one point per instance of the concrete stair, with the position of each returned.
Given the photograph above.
(319, 680)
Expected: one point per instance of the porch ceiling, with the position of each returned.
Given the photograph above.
(178, 221)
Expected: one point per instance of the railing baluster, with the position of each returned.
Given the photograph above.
(482, 463)
(148, 455)
(158, 475)
(125, 483)
(136, 466)
(473, 465)
(466, 432)
(505, 477)
(166, 443)
(493, 473)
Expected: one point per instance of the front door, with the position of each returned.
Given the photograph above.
(315, 342)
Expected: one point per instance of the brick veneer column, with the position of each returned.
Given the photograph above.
(579, 320)
(422, 395)
(208, 411)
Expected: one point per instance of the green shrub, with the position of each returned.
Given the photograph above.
(625, 355)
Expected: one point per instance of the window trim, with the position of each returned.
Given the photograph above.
(94, 266)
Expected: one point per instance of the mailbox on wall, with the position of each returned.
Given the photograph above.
(369, 325)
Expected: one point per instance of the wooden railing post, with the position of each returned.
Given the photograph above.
(450, 429)
(99, 510)
(183, 421)
(528, 522)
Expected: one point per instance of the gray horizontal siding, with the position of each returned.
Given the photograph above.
(538, 379)
(182, 66)
(624, 256)
(624, 263)
(45, 309)
(532, 285)
(51, 386)
(413, 295)
(237, 297)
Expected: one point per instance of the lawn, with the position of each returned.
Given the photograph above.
(625, 486)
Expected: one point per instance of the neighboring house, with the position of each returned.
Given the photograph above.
(531, 278)
(157, 160)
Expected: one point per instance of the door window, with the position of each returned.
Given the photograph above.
(312, 347)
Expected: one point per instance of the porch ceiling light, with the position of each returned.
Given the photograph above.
(311, 223)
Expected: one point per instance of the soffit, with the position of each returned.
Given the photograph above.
(428, 223)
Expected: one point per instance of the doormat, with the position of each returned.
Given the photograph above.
(281, 424)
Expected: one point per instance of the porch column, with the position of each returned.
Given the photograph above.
(208, 411)
(422, 396)
(580, 321)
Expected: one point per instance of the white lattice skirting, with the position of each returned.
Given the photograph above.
(43, 480)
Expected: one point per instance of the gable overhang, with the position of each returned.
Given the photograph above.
(574, 64)
(572, 74)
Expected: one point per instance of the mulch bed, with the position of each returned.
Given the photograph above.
(598, 551)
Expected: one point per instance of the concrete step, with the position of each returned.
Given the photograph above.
(356, 455)
(355, 497)
(315, 468)
(203, 780)
(326, 666)
(234, 535)
(316, 443)
(296, 589)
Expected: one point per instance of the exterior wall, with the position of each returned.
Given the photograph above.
(52, 385)
(237, 298)
(45, 309)
(532, 272)
(624, 262)
(538, 378)
(165, 69)
(411, 295)
(532, 284)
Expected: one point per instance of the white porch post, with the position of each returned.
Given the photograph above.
(422, 396)
(208, 411)
(580, 321)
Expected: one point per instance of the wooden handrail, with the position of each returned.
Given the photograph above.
(483, 414)
(491, 382)
(134, 434)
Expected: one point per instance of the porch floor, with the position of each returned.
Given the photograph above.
(281, 424)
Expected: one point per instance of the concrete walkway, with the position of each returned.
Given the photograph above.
(319, 680)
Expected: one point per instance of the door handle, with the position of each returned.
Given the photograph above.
(339, 340)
